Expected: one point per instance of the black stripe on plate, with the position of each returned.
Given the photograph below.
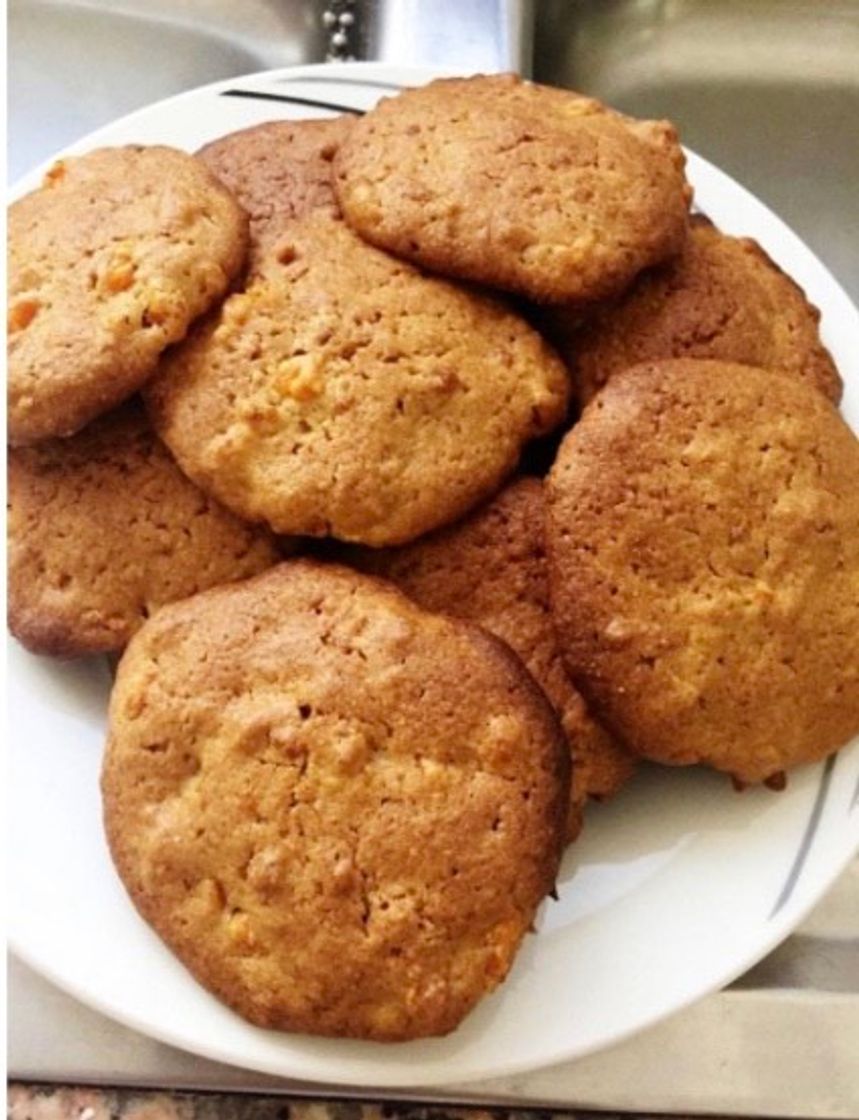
(357, 82)
(808, 836)
(259, 95)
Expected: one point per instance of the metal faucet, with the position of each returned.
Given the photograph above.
(470, 35)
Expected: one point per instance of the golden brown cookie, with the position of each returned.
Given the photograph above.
(104, 528)
(279, 171)
(721, 298)
(490, 568)
(704, 564)
(109, 262)
(340, 811)
(520, 186)
(346, 394)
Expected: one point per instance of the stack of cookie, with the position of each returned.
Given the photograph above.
(339, 786)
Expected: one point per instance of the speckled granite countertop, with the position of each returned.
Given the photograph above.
(54, 1102)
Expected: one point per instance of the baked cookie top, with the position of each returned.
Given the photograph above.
(346, 394)
(490, 568)
(704, 563)
(721, 298)
(103, 528)
(279, 171)
(340, 811)
(520, 186)
(109, 262)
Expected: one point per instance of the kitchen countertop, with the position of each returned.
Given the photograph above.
(53, 1102)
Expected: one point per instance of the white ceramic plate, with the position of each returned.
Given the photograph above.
(674, 889)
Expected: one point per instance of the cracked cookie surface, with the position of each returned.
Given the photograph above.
(704, 565)
(103, 528)
(490, 568)
(523, 187)
(721, 298)
(346, 394)
(278, 171)
(340, 811)
(109, 262)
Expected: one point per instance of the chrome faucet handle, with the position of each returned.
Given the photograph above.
(341, 27)
(471, 35)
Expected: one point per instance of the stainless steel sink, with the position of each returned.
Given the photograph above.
(768, 90)
(74, 65)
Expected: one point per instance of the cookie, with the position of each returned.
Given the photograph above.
(519, 186)
(109, 262)
(340, 811)
(345, 394)
(704, 565)
(490, 568)
(279, 171)
(721, 298)
(103, 528)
